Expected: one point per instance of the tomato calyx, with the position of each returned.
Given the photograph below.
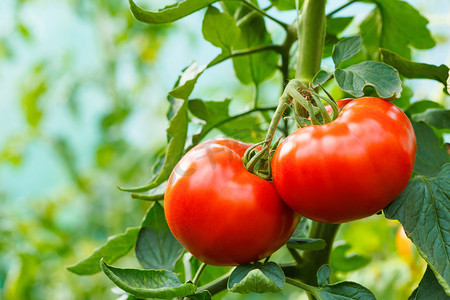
(308, 110)
(257, 161)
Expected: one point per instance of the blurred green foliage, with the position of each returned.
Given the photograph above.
(48, 224)
(68, 138)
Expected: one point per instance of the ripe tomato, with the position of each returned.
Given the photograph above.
(350, 168)
(222, 214)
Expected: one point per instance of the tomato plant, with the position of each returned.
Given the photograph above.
(220, 212)
(349, 168)
(339, 160)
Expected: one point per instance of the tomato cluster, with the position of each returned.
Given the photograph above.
(345, 170)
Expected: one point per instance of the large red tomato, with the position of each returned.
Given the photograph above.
(350, 168)
(220, 212)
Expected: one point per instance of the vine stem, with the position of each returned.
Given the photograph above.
(249, 16)
(340, 8)
(237, 53)
(264, 13)
(199, 273)
(220, 284)
(148, 197)
(313, 260)
(311, 39)
(216, 286)
(283, 103)
(310, 289)
(253, 110)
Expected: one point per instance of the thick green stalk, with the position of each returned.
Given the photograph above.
(311, 39)
(312, 260)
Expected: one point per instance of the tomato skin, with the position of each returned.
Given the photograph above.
(222, 214)
(350, 168)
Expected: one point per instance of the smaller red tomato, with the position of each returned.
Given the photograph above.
(221, 213)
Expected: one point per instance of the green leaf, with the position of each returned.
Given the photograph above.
(220, 29)
(334, 27)
(204, 295)
(160, 284)
(302, 229)
(369, 30)
(405, 99)
(413, 294)
(421, 106)
(395, 25)
(346, 49)
(438, 118)
(323, 274)
(430, 155)
(286, 4)
(257, 67)
(448, 83)
(169, 13)
(256, 278)
(429, 287)
(156, 247)
(342, 262)
(412, 69)
(187, 81)
(115, 247)
(382, 77)
(345, 290)
(176, 134)
(230, 7)
(216, 115)
(322, 76)
(423, 209)
(306, 244)
(337, 25)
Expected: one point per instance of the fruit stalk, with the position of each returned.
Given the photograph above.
(311, 38)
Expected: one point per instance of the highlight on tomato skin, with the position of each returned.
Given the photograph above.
(350, 168)
(221, 213)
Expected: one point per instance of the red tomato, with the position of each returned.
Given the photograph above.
(221, 213)
(350, 168)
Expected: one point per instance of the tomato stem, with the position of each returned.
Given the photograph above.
(148, 197)
(216, 286)
(283, 103)
(313, 260)
(310, 289)
(298, 259)
(311, 39)
(264, 13)
(199, 273)
(251, 161)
